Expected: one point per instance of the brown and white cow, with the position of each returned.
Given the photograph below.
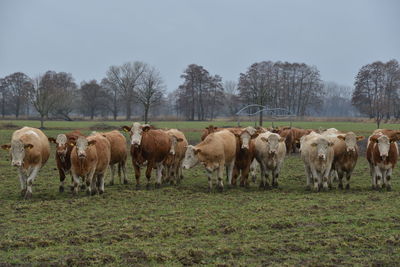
(345, 154)
(119, 154)
(317, 154)
(30, 150)
(208, 130)
(382, 154)
(214, 153)
(148, 145)
(64, 145)
(270, 151)
(245, 153)
(173, 162)
(90, 158)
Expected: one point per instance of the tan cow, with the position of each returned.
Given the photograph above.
(216, 151)
(382, 154)
(119, 153)
(90, 158)
(345, 154)
(317, 154)
(270, 154)
(173, 162)
(30, 150)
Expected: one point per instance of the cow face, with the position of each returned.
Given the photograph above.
(351, 141)
(174, 141)
(322, 146)
(17, 150)
(190, 159)
(81, 146)
(136, 132)
(383, 145)
(272, 143)
(246, 135)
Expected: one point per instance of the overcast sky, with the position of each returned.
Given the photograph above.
(225, 36)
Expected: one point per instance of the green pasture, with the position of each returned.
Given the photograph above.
(185, 225)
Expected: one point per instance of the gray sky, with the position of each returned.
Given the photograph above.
(225, 36)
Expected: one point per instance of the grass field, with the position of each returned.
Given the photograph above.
(184, 225)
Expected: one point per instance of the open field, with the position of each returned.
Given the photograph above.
(184, 225)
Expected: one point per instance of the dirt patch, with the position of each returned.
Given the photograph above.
(135, 257)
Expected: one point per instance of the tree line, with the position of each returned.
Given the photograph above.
(137, 88)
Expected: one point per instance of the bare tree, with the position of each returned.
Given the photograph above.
(232, 97)
(112, 102)
(150, 91)
(17, 85)
(66, 90)
(43, 95)
(126, 79)
(93, 98)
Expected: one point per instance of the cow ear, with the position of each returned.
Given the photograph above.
(373, 139)
(341, 137)
(28, 146)
(196, 150)
(51, 140)
(282, 139)
(234, 132)
(359, 138)
(330, 143)
(215, 128)
(126, 128)
(254, 135)
(264, 139)
(91, 142)
(6, 147)
(104, 135)
(179, 139)
(145, 128)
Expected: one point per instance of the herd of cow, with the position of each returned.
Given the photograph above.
(327, 154)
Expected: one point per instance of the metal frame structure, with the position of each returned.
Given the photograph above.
(274, 112)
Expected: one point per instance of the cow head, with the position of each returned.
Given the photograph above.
(351, 141)
(82, 145)
(246, 135)
(272, 143)
(62, 145)
(383, 144)
(191, 158)
(136, 132)
(322, 146)
(208, 130)
(174, 141)
(17, 150)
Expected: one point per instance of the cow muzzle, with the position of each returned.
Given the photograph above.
(272, 152)
(321, 157)
(81, 156)
(16, 163)
(383, 157)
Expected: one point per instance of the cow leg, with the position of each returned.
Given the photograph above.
(308, 177)
(150, 165)
(244, 177)
(326, 179)
(160, 167)
(91, 183)
(210, 178)
(266, 179)
(378, 177)
(137, 175)
(220, 184)
(180, 172)
(22, 180)
(75, 184)
(62, 180)
(100, 182)
(388, 178)
(235, 175)
(316, 178)
(263, 169)
(122, 166)
(348, 176)
(112, 168)
(340, 175)
(373, 178)
(253, 170)
(30, 180)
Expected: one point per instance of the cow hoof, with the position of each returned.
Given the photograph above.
(28, 195)
(267, 187)
(220, 189)
(83, 187)
(61, 189)
(88, 192)
(138, 187)
(23, 192)
(111, 183)
(101, 192)
(340, 186)
(209, 190)
(275, 185)
(93, 193)
(347, 186)
(125, 181)
(148, 186)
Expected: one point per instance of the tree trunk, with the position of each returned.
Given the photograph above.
(41, 121)
(146, 113)
(260, 122)
(128, 109)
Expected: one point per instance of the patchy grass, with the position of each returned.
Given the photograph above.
(184, 225)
